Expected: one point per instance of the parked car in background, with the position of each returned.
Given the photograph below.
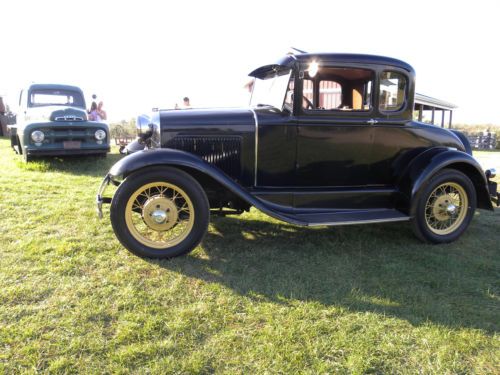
(329, 140)
(3, 118)
(52, 120)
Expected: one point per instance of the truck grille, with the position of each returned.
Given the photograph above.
(62, 134)
(69, 118)
(223, 152)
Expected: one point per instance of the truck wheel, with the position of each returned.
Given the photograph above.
(160, 213)
(444, 207)
(26, 158)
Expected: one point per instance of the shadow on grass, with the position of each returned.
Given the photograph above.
(95, 166)
(379, 268)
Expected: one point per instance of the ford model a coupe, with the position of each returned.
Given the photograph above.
(52, 120)
(328, 140)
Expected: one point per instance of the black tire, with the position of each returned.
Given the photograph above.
(132, 224)
(443, 208)
(26, 158)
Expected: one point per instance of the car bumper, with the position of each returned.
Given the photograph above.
(61, 152)
(492, 186)
(100, 199)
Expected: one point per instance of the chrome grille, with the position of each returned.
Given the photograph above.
(69, 118)
(60, 134)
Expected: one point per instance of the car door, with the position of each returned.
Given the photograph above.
(334, 132)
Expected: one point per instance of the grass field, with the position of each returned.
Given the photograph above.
(257, 296)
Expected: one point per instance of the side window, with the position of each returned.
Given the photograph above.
(392, 91)
(330, 95)
(307, 94)
(338, 89)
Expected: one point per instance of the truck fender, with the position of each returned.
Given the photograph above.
(428, 163)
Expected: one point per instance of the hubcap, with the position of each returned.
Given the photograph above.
(446, 208)
(451, 209)
(159, 216)
(160, 213)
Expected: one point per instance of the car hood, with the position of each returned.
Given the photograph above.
(56, 113)
(208, 117)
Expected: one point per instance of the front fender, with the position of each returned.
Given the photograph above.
(427, 164)
(177, 158)
(164, 156)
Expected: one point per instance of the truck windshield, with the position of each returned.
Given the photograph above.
(39, 98)
(270, 90)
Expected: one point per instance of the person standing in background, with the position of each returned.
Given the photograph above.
(186, 104)
(101, 112)
(93, 113)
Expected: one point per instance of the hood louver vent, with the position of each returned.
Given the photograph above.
(223, 152)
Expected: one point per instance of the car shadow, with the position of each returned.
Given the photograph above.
(380, 269)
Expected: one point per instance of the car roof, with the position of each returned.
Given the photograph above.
(347, 58)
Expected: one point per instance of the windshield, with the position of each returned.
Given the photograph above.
(45, 97)
(270, 90)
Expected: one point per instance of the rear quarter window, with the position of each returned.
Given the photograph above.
(392, 91)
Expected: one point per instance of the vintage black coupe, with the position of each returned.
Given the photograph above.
(328, 140)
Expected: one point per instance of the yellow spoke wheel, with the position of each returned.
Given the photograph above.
(160, 212)
(446, 208)
(159, 215)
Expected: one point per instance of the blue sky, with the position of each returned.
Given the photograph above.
(138, 55)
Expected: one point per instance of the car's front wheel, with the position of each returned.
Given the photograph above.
(444, 207)
(160, 213)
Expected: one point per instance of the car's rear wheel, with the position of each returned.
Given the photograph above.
(161, 213)
(444, 207)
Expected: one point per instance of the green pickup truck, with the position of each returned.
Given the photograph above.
(52, 120)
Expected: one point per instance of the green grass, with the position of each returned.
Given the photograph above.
(257, 296)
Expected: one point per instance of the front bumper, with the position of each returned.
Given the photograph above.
(492, 186)
(58, 152)
(100, 199)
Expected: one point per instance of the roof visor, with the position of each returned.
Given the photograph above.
(268, 71)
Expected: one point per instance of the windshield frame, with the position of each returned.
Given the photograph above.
(270, 89)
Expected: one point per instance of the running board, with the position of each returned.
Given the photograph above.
(346, 217)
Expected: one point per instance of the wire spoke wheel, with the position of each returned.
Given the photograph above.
(159, 215)
(446, 208)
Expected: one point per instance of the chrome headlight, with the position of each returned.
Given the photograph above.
(100, 134)
(37, 136)
(143, 124)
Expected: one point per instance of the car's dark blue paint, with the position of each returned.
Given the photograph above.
(293, 162)
(177, 158)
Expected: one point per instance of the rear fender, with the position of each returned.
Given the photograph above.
(427, 164)
(143, 160)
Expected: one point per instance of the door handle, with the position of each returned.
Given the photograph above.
(372, 122)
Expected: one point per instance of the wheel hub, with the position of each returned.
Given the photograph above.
(451, 209)
(159, 216)
(444, 208)
(160, 213)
